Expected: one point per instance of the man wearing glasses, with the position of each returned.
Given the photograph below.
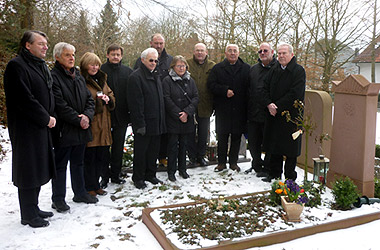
(146, 105)
(256, 110)
(157, 42)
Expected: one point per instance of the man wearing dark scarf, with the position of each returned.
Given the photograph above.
(30, 108)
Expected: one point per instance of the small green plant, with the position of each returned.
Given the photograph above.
(128, 151)
(377, 151)
(377, 188)
(275, 197)
(345, 193)
(313, 192)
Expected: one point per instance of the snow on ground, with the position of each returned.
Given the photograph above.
(115, 221)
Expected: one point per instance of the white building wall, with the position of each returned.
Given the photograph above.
(365, 70)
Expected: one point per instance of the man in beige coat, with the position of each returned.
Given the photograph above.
(199, 68)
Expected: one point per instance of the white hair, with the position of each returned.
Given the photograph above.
(145, 53)
(60, 47)
(232, 44)
(290, 47)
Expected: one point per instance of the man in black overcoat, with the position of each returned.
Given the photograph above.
(146, 105)
(257, 111)
(30, 108)
(74, 108)
(157, 42)
(228, 82)
(284, 85)
(117, 80)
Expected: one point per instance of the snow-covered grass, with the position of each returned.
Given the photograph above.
(115, 221)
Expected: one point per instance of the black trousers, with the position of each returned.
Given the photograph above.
(197, 142)
(117, 147)
(255, 140)
(233, 154)
(163, 147)
(145, 154)
(276, 162)
(74, 154)
(28, 199)
(95, 159)
(177, 151)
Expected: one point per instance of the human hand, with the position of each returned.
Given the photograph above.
(84, 122)
(272, 109)
(183, 116)
(230, 93)
(52, 122)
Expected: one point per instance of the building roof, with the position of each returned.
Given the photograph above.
(365, 56)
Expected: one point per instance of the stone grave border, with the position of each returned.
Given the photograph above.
(265, 240)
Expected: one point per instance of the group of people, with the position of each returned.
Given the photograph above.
(81, 116)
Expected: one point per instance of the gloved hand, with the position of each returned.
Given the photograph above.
(141, 131)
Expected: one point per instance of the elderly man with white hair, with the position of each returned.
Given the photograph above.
(146, 105)
(74, 107)
(284, 85)
(228, 82)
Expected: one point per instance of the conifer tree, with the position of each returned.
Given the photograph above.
(106, 32)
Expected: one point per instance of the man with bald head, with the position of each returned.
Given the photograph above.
(256, 110)
(228, 82)
(199, 68)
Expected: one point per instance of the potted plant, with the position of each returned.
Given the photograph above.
(292, 200)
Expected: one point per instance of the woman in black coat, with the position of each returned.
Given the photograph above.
(181, 99)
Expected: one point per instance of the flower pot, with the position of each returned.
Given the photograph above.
(293, 210)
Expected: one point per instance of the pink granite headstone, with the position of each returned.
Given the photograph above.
(354, 132)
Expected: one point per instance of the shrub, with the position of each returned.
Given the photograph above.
(377, 188)
(345, 193)
(377, 151)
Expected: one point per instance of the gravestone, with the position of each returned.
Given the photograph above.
(354, 132)
(318, 104)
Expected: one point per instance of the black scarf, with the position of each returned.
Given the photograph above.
(40, 64)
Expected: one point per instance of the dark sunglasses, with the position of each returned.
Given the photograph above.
(152, 60)
(261, 51)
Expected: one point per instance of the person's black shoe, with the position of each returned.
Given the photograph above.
(60, 206)
(104, 183)
(140, 184)
(184, 175)
(118, 181)
(192, 161)
(35, 222)
(262, 174)
(249, 170)
(86, 198)
(202, 162)
(154, 180)
(45, 214)
(172, 177)
(268, 178)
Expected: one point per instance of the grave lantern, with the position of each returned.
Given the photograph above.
(321, 166)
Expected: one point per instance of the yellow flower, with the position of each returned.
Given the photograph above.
(278, 191)
(280, 183)
(286, 193)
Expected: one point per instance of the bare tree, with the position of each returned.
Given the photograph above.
(336, 32)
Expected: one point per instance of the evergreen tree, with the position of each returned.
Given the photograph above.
(82, 42)
(106, 32)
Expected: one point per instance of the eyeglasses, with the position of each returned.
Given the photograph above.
(261, 51)
(180, 66)
(152, 60)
